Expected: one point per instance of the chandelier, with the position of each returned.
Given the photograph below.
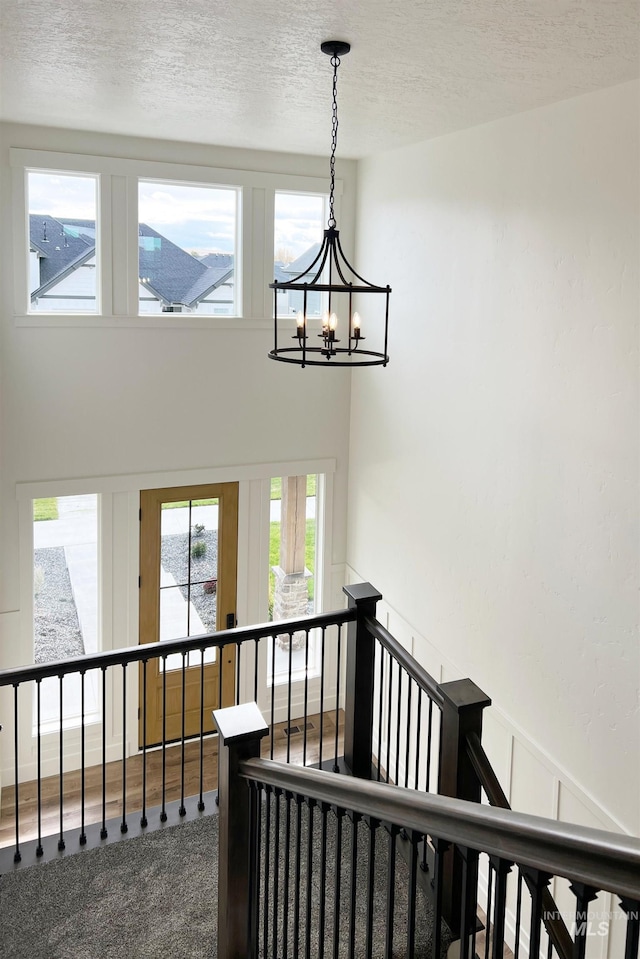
(341, 338)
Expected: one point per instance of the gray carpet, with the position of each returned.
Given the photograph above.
(144, 898)
(155, 896)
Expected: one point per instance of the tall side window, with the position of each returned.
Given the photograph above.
(299, 222)
(187, 248)
(62, 242)
(65, 599)
(292, 566)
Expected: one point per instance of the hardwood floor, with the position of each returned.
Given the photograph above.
(72, 787)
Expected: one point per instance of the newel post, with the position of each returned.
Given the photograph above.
(240, 730)
(462, 710)
(358, 709)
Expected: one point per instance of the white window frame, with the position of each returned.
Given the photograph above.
(118, 230)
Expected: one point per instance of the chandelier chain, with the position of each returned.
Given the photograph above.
(335, 63)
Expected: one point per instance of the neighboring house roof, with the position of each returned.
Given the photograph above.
(166, 270)
(206, 283)
(300, 265)
(217, 259)
(63, 247)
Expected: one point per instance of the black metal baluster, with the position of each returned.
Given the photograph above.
(273, 694)
(398, 724)
(416, 782)
(255, 669)
(427, 787)
(440, 847)
(258, 820)
(538, 882)
(238, 653)
(307, 950)
(389, 706)
(61, 843)
(380, 703)
(182, 810)
(355, 819)
(337, 885)
(336, 767)
(287, 854)
(322, 651)
(289, 699)
(17, 856)
(143, 818)
(296, 884)
(83, 836)
(391, 890)
(39, 849)
(516, 945)
(487, 930)
(220, 649)
(502, 868)
(103, 830)
(469, 900)
(163, 812)
(584, 895)
(306, 698)
(632, 942)
(123, 825)
(324, 809)
(408, 733)
(267, 872)
(371, 874)
(201, 758)
(412, 896)
(276, 864)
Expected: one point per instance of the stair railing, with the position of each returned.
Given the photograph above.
(100, 681)
(260, 897)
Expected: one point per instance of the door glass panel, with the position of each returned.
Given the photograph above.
(188, 574)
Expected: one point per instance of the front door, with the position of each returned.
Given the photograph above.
(188, 561)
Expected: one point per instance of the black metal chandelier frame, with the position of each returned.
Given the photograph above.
(332, 264)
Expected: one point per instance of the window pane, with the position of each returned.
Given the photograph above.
(292, 557)
(62, 242)
(65, 598)
(299, 227)
(187, 248)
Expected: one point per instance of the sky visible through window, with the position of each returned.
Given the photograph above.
(200, 219)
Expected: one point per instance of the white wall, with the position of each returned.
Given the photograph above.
(493, 485)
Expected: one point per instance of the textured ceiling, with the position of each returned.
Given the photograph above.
(249, 73)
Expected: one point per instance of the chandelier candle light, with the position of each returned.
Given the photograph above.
(332, 275)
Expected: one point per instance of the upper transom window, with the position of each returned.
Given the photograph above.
(187, 248)
(62, 232)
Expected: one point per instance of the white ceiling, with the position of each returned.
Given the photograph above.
(249, 73)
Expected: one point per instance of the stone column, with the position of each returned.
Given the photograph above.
(291, 595)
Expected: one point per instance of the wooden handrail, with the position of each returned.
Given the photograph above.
(605, 860)
(135, 654)
(411, 666)
(553, 921)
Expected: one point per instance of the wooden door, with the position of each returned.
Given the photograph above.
(188, 566)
